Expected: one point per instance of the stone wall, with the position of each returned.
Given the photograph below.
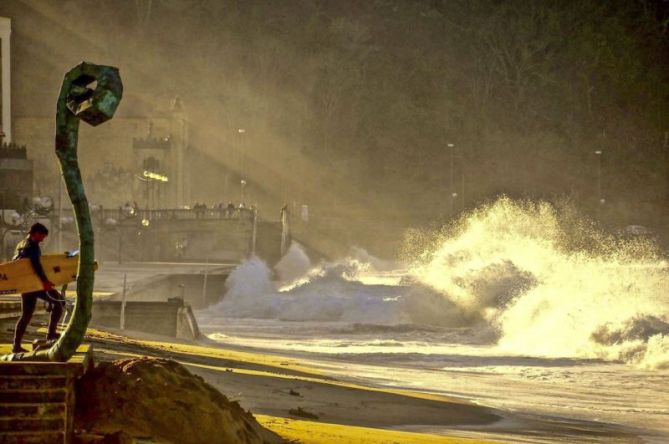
(150, 317)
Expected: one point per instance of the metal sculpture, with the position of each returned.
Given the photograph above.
(90, 93)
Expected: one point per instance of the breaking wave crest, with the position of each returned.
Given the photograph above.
(643, 340)
(551, 284)
(536, 280)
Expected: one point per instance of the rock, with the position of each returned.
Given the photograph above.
(161, 400)
(299, 411)
(114, 438)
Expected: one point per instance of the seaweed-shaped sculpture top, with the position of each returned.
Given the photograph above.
(90, 93)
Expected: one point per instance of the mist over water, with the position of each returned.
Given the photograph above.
(531, 279)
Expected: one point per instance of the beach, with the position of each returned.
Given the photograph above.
(324, 400)
(280, 390)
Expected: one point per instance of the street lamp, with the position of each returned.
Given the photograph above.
(241, 132)
(598, 153)
(155, 176)
(243, 185)
(149, 177)
(462, 182)
(451, 147)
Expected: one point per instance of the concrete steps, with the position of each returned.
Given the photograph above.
(37, 399)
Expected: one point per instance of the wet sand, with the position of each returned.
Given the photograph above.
(300, 403)
(275, 387)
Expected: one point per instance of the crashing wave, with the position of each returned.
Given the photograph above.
(332, 292)
(539, 281)
(548, 284)
(642, 340)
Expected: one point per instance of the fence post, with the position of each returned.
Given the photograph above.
(285, 230)
(254, 232)
(204, 284)
(125, 291)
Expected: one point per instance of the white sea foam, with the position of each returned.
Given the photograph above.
(331, 292)
(294, 264)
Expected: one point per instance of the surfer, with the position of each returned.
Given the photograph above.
(29, 248)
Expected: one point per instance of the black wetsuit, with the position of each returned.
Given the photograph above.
(29, 249)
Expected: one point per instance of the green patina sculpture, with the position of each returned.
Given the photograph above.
(90, 93)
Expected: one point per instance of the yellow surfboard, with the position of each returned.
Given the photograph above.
(19, 277)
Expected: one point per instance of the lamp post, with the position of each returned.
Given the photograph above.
(598, 153)
(462, 182)
(451, 148)
(242, 166)
(241, 132)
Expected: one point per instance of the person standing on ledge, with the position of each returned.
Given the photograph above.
(29, 248)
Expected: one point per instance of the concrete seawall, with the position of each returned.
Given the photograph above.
(169, 318)
(159, 297)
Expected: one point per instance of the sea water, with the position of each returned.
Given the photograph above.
(518, 305)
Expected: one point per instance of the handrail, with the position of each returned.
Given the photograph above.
(124, 214)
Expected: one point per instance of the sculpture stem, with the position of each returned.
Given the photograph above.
(77, 102)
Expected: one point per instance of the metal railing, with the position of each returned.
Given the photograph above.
(127, 214)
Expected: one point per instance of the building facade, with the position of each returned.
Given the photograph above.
(16, 177)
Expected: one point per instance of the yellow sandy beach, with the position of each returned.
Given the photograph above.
(301, 404)
(264, 383)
